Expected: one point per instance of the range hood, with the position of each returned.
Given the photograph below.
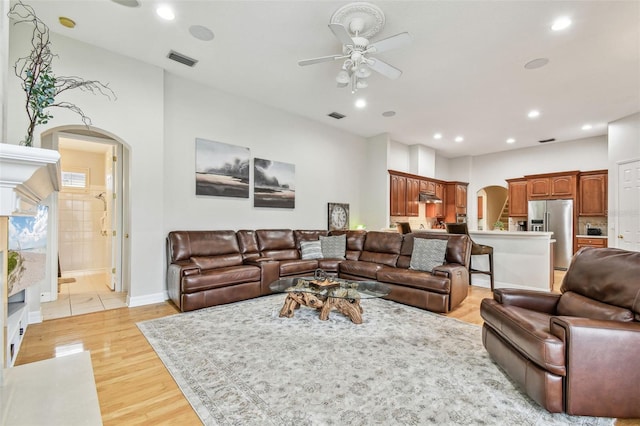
(428, 198)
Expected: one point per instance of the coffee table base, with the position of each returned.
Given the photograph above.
(348, 307)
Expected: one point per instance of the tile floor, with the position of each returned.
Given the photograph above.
(89, 293)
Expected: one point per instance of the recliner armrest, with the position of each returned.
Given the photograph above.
(529, 299)
(190, 271)
(447, 270)
(602, 365)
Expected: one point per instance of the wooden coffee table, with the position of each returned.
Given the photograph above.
(339, 294)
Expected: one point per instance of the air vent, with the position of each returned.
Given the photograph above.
(547, 140)
(179, 57)
(336, 115)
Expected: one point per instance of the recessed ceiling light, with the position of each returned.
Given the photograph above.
(459, 139)
(561, 24)
(127, 3)
(67, 22)
(511, 140)
(361, 103)
(388, 113)
(533, 113)
(165, 12)
(536, 63)
(437, 136)
(587, 127)
(201, 33)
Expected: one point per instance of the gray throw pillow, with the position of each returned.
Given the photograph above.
(334, 247)
(427, 254)
(311, 249)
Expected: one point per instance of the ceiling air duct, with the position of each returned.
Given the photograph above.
(428, 198)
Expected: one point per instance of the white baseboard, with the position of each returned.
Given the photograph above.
(148, 299)
(35, 317)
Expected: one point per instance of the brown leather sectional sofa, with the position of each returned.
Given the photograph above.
(207, 268)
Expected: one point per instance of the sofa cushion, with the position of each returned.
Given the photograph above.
(310, 249)
(275, 239)
(575, 305)
(609, 275)
(359, 268)
(355, 242)
(415, 279)
(527, 331)
(185, 244)
(221, 261)
(308, 235)
(334, 247)
(220, 277)
(297, 267)
(427, 254)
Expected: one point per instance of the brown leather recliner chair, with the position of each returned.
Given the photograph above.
(579, 351)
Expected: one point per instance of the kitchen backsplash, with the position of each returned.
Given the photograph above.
(591, 222)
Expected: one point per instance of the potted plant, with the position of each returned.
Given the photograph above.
(498, 225)
(40, 85)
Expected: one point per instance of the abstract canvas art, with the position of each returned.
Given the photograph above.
(274, 184)
(221, 169)
(27, 257)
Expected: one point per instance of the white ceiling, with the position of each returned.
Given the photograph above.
(463, 74)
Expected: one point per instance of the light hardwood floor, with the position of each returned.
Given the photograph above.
(134, 387)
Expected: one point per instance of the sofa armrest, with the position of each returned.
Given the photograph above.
(529, 299)
(256, 261)
(459, 277)
(603, 369)
(190, 270)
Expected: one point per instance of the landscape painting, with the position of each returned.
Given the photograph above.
(274, 184)
(222, 170)
(27, 258)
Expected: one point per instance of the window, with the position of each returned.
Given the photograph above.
(75, 179)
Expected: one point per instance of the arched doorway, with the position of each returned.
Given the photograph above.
(493, 206)
(91, 214)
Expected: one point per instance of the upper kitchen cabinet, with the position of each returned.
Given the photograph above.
(398, 195)
(592, 188)
(428, 187)
(517, 197)
(456, 201)
(413, 192)
(552, 186)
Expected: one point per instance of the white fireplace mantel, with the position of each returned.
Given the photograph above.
(27, 176)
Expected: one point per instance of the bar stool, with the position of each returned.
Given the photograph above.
(476, 249)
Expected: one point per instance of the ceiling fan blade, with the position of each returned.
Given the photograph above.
(320, 59)
(384, 68)
(393, 42)
(341, 34)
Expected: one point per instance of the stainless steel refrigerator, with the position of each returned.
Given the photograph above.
(554, 216)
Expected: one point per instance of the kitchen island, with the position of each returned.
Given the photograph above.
(521, 259)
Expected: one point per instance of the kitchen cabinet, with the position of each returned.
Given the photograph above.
(398, 195)
(552, 186)
(437, 209)
(517, 197)
(413, 192)
(456, 201)
(590, 242)
(592, 190)
(428, 187)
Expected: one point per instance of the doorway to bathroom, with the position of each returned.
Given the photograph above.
(90, 222)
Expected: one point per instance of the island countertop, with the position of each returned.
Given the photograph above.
(521, 259)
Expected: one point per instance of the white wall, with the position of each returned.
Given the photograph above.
(328, 162)
(375, 186)
(136, 118)
(4, 68)
(493, 169)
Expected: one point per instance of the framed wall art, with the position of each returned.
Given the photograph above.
(273, 184)
(222, 170)
(338, 216)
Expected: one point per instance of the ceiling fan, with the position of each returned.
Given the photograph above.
(353, 25)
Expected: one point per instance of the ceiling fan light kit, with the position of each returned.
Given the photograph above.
(353, 25)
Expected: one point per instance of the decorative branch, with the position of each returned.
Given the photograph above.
(40, 85)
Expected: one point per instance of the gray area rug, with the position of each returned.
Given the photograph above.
(240, 364)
